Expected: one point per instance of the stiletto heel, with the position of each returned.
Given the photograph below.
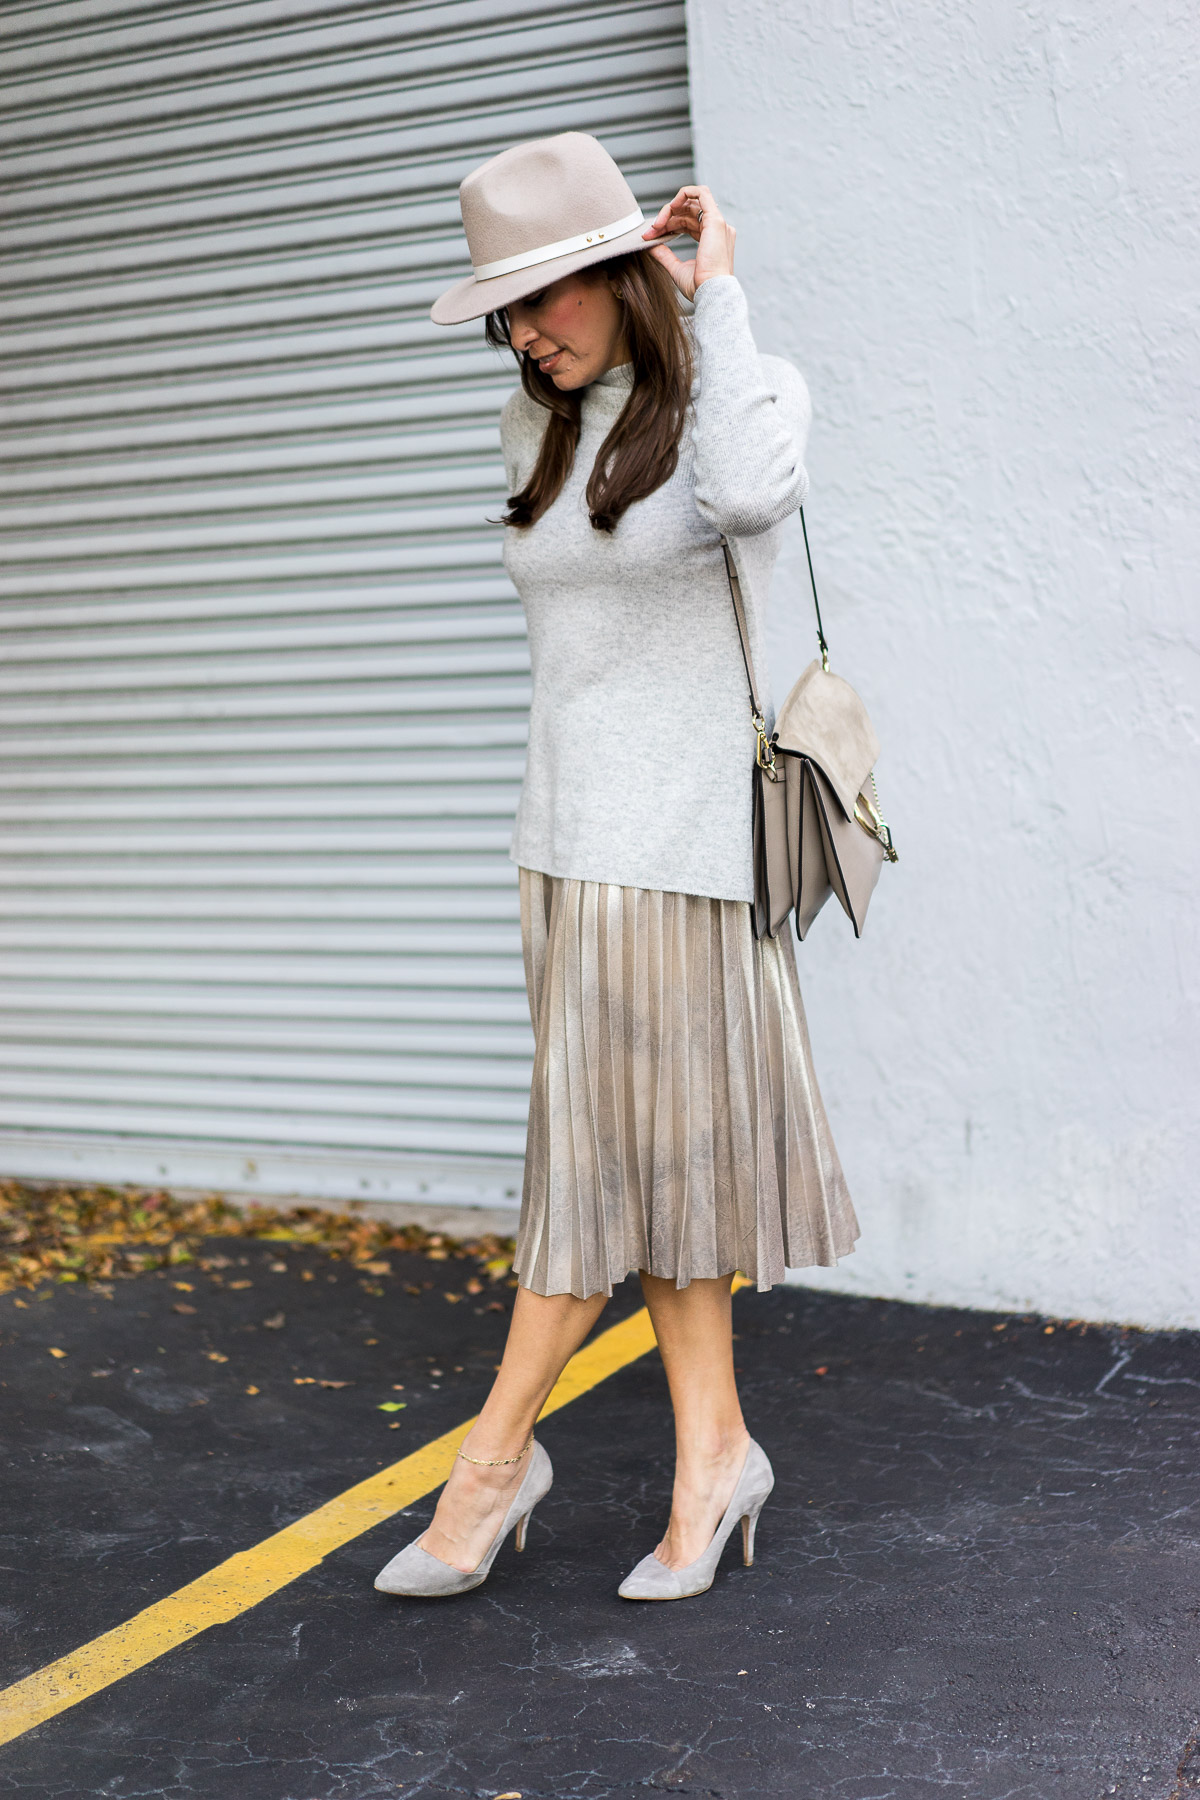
(749, 1523)
(420, 1575)
(652, 1580)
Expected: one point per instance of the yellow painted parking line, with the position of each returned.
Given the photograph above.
(253, 1575)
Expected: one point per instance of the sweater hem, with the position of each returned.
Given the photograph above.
(653, 883)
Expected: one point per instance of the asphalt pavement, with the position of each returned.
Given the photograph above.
(978, 1577)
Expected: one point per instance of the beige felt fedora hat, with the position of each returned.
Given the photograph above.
(535, 213)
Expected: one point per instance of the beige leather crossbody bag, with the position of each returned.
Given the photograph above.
(817, 829)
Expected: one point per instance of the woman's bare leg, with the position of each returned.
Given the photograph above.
(545, 1332)
(694, 1328)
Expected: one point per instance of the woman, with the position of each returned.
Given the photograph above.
(675, 1125)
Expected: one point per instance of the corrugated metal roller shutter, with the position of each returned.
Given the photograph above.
(263, 679)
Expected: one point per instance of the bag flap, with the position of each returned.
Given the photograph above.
(824, 718)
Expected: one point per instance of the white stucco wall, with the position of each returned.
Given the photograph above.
(976, 231)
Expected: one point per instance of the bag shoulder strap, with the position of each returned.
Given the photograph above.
(764, 754)
(816, 603)
(739, 609)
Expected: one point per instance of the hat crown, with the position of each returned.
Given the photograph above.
(541, 193)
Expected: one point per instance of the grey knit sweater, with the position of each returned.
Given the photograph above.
(640, 741)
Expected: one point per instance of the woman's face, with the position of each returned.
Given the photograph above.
(574, 329)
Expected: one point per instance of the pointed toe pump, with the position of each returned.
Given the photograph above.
(417, 1574)
(652, 1580)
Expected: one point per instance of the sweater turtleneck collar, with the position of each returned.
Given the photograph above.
(620, 377)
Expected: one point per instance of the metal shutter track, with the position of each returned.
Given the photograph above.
(263, 681)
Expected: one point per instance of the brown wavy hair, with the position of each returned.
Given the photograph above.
(642, 449)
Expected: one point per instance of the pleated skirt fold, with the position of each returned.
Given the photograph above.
(675, 1122)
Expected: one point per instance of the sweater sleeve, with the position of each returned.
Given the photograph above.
(522, 422)
(750, 419)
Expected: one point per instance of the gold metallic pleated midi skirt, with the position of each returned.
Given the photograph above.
(675, 1123)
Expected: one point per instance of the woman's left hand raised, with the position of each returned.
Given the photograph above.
(694, 211)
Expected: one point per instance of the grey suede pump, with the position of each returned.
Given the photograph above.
(652, 1580)
(418, 1575)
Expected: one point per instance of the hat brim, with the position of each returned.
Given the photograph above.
(471, 299)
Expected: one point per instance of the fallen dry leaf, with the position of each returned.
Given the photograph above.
(276, 1322)
(181, 1306)
(185, 1287)
(216, 1356)
(252, 1390)
(58, 1353)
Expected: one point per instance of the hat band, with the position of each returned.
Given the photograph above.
(526, 259)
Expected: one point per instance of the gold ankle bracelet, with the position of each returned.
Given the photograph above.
(494, 1462)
